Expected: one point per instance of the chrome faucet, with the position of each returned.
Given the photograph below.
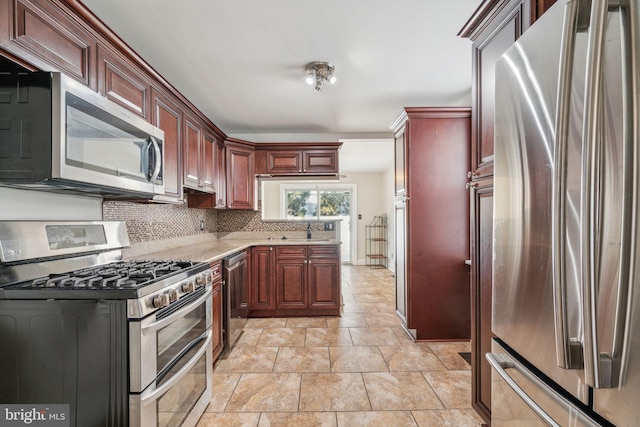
(308, 230)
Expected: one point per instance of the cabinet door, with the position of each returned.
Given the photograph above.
(207, 162)
(502, 33)
(49, 38)
(168, 117)
(481, 288)
(284, 162)
(324, 283)
(320, 161)
(291, 277)
(400, 149)
(401, 259)
(240, 177)
(191, 152)
(221, 175)
(263, 295)
(291, 284)
(122, 83)
(216, 326)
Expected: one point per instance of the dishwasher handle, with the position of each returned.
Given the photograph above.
(235, 259)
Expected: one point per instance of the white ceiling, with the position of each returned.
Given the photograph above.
(241, 62)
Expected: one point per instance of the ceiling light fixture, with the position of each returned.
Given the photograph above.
(319, 72)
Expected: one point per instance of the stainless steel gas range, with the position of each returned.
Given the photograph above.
(121, 342)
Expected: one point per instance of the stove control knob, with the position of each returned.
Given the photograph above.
(209, 277)
(173, 295)
(161, 300)
(200, 280)
(188, 287)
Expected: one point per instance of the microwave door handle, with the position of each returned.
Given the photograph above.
(157, 158)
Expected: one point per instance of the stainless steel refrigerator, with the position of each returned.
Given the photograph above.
(566, 261)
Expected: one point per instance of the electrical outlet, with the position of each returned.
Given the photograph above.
(328, 226)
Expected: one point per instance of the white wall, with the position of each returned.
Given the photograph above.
(388, 193)
(25, 205)
(371, 202)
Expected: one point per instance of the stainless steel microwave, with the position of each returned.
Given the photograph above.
(59, 135)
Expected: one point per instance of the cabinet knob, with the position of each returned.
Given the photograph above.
(471, 185)
(472, 175)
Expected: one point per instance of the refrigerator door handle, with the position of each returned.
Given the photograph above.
(601, 369)
(568, 351)
(500, 363)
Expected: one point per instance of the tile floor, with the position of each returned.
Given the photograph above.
(360, 369)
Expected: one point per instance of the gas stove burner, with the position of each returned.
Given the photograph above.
(116, 275)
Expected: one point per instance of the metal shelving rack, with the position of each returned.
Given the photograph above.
(376, 242)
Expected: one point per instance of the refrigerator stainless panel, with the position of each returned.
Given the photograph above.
(592, 300)
(523, 298)
(618, 307)
(524, 400)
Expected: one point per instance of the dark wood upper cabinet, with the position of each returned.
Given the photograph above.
(494, 27)
(399, 144)
(122, 83)
(297, 158)
(199, 150)
(191, 152)
(221, 175)
(42, 34)
(284, 162)
(240, 174)
(320, 161)
(167, 115)
(208, 152)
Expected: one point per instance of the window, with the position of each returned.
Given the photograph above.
(302, 203)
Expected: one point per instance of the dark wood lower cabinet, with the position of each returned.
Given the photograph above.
(323, 275)
(295, 280)
(216, 306)
(481, 285)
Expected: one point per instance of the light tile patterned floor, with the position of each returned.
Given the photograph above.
(357, 370)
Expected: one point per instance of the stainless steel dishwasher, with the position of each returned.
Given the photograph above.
(236, 292)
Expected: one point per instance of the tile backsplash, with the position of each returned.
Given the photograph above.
(148, 222)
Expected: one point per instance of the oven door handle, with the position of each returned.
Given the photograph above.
(178, 314)
(152, 395)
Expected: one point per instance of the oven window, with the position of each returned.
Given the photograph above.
(178, 335)
(176, 404)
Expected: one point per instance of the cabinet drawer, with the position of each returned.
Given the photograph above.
(291, 251)
(324, 251)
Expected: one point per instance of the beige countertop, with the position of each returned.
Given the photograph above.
(210, 250)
